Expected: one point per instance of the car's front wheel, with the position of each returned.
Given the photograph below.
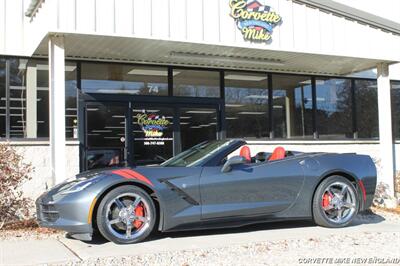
(126, 215)
(335, 202)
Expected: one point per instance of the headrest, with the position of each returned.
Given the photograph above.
(278, 154)
(245, 153)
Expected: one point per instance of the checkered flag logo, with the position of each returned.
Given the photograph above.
(263, 9)
(255, 6)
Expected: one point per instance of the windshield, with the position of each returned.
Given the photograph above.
(197, 154)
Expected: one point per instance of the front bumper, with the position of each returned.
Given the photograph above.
(69, 213)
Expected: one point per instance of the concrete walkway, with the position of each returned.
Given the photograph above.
(35, 252)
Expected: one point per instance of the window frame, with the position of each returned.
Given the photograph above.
(82, 97)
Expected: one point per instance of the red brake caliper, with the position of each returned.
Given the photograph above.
(139, 211)
(326, 200)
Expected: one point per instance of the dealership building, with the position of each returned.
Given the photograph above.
(87, 84)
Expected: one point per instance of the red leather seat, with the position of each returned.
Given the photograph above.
(278, 154)
(245, 153)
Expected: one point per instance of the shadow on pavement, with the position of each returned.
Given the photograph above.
(99, 240)
(365, 217)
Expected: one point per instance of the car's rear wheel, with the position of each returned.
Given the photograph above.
(126, 215)
(335, 202)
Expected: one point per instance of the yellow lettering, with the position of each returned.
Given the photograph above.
(237, 7)
(257, 35)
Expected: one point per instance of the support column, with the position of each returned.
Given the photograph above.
(385, 127)
(31, 102)
(57, 107)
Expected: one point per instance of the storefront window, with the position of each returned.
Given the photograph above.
(367, 109)
(29, 98)
(396, 108)
(71, 108)
(197, 125)
(292, 106)
(196, 83)
(334, 108)
(42, 72)
(18, 103)
(2, 98)
(124, 79)
(246, 105)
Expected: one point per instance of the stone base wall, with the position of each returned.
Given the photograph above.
(38, 154)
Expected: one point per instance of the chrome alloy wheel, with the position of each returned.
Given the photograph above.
(338, 202)
(128, 216)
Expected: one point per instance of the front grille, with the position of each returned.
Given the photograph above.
(46, 212)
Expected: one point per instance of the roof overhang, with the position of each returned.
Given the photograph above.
(151, 51)
(354, 14)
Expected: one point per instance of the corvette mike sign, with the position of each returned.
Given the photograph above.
(254, 20)
(153, 127)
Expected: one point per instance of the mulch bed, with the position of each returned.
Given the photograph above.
(27, 225)
(396, 211)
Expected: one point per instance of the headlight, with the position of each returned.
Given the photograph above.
(78, 187)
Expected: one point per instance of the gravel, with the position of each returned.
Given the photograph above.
(376, 248)
(325, 250)
(339, 249)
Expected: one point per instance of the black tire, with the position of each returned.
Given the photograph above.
(319, 215)
(106, 232)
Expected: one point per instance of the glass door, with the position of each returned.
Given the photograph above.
(128, 133)
(153, 134)
(105, 135)
(161, 131)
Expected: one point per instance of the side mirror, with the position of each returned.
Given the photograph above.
(232, 161)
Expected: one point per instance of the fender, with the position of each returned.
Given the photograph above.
(117, 180)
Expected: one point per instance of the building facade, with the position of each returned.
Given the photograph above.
(99, 83)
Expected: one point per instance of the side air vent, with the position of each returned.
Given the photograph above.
(182, 194)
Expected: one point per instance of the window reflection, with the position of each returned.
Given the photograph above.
(71, 107)
(29, 98)
(2, 98)
(124, 79)
(246, 105)
(194, 83)
(334, 108)
(105, 135)
(292, 106)
(367, 108)
(197, 125)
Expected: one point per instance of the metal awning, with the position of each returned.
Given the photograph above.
(151, 51)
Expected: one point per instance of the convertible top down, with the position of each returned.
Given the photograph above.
(208, 186)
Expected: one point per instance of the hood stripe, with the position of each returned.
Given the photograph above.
(130, 174)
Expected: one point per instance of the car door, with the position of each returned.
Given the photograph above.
(250, 189)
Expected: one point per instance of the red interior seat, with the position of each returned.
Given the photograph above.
(278, 154)
(245, 153)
